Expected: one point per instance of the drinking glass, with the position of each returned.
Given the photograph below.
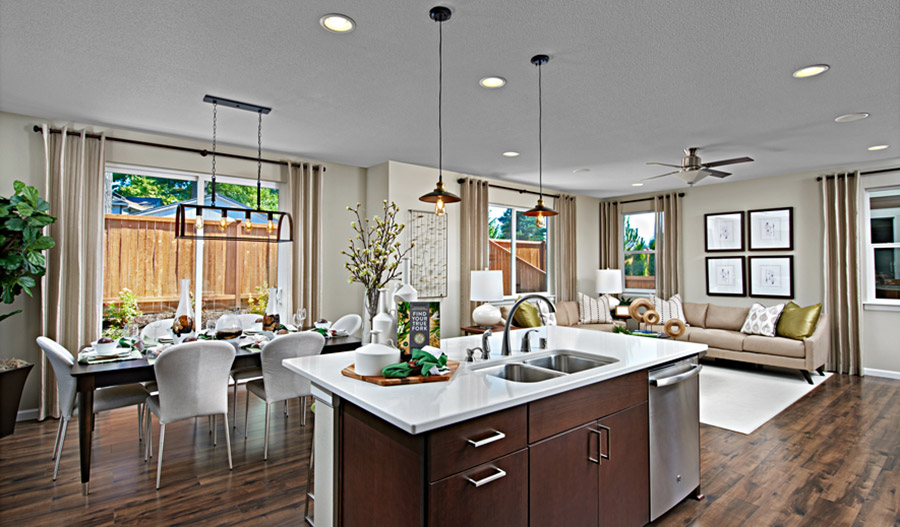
(298, 318)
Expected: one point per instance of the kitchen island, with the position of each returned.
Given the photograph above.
(417, 454)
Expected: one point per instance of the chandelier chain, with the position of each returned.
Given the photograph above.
(259, 162)
(213, 185)
(540, 135)
(440, 101)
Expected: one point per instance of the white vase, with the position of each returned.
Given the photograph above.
(384, 322)
(272, 318)
(184, 323)
(406, 292)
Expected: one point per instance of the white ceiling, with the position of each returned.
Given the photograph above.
(628, 82)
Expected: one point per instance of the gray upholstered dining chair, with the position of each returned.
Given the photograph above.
(193, 382)
(279, 383)
(104, 399)
(349, 323)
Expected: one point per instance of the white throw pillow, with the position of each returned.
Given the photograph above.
(547, 318)
(593, 310)
(762, 320)
(669, 309)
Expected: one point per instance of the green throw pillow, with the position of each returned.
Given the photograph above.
(798, 322)
(527, 316)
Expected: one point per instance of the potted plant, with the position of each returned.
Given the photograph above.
(22, 244)
(117, 316)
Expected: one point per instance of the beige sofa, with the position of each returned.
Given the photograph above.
(567, 315)
(719, 327)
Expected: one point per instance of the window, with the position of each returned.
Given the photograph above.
(143, 256)
(518, 247)
(639, 251)
(884, 245)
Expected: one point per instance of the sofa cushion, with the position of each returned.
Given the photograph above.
(547, 318)
(593, 310)
(761, 320)
(780, 346)
(718, 338)
(669, 309)
(567, 313)
(724, 317)
(527, 316)
(798, 322)
(695, 314)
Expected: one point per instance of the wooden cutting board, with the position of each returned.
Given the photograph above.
(413, 379)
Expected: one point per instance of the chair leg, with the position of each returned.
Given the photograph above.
(266, 448)
(215, 430)
(285, 407)
(303, 412)
(162, 440)
(227, 440)
(140, 409)
(234, 407)
(209, 423)
(56, 443)
(148, 453)
(62, 441)
(246, 412)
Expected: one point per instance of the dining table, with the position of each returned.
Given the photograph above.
(89, 377)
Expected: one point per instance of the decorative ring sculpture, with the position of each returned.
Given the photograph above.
(675, 328)
(651, 317)
(635, 306)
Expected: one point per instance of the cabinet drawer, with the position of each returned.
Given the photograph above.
(475, 441)
(562, 412)
(500, 497)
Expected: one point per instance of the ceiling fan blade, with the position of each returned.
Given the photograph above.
(716, 173)
(664, 165)
(661, 175)
(727, 162)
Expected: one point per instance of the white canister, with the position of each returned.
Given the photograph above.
(374, 357)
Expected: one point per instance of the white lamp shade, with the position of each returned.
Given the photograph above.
(609, 281)
(486, 286)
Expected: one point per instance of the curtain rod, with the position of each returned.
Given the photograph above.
(867, 172)
(202, 152)
(519, 190)
(680, 195)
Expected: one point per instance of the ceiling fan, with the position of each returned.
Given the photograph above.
(693, 170)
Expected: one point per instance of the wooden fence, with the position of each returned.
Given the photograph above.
(530, 259)
(143, 255)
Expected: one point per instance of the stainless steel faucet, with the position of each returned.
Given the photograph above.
(526, 341)
(486, 344)
(506, 349)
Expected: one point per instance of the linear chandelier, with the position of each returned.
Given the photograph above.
(212, 222)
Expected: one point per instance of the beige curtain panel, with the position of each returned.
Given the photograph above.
(609, 235)
(305, 186)
(840, 199)
(668, 270)
(72, 296)
(473, 232)
(563, 240)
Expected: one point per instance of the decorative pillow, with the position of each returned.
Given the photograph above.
(547, 318)
(762, 320)
(669, 309)
(527, 316)
(798, 322)
(593, 310)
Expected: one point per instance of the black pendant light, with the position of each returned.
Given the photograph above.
(439, 196)
(540, 211)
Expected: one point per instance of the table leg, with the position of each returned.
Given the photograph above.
(85, 425)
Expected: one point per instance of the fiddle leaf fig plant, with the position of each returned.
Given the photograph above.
(22, 242)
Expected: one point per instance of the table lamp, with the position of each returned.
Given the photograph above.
(609, 282)
(486, 286)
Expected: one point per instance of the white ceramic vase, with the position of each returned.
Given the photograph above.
(384, 323)
(184, 323)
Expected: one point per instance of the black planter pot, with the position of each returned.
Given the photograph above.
(11, 384)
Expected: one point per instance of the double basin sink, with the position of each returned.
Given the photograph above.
(544, 366)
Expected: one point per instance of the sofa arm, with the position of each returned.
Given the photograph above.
(818, 346)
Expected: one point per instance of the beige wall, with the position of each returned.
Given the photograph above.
(22, 157)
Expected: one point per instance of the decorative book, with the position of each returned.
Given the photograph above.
(418, 325)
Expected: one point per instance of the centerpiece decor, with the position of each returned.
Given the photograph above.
(23, 217)
(375, 253)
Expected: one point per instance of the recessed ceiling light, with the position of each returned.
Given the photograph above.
(492, 82)
(850, 117)
(511, 154)
(877, 147)
(811, 71)
(337, 23)
(637, 184)
(581, 170)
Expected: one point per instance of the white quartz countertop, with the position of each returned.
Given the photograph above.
(417, 408)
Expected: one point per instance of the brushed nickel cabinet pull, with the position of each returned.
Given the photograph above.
(498, 435)
(493, 477)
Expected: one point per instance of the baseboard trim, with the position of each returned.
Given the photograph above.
(27, 415)
(887, 374)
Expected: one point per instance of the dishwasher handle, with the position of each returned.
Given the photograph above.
(675, 379)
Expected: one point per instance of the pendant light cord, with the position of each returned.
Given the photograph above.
(440, 101)
(213, 185)
(540, 136)
(259, 163)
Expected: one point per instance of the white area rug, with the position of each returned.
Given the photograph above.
(743, 400)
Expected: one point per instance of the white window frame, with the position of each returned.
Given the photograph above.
(869, 257)
(623, 253)
(512, 269)
(200, 179)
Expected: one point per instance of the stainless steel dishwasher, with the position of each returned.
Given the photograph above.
(674, 434)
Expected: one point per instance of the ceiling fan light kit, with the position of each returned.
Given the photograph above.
(540, 211)
(693, 169)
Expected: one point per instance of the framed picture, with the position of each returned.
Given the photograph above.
(622, 311)
(772, 276)
(771, 229)
(725, 231)
(725, 276)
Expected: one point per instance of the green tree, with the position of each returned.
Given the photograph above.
(501, 228)
(527, 229)
(168, 190)
(246, 194)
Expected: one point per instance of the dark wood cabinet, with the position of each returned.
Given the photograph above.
(565, 486)
(625, 468)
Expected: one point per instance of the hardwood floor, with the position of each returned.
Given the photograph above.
(833, 458)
